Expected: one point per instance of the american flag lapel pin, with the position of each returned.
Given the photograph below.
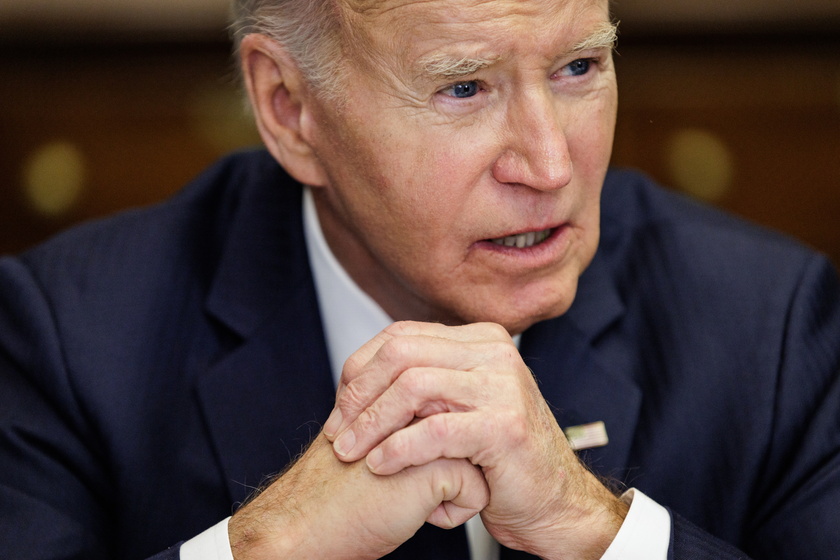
(587, 436)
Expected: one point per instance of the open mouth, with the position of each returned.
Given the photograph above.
(523, 240)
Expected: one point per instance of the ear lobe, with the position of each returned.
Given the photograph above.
(281, 101)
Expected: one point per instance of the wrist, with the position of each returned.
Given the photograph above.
(582, 527)
(250, 541)
(592, 526)
(271, 525)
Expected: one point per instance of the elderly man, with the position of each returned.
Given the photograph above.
(515, 335)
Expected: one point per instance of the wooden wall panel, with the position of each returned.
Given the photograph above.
(775, 110)
(143, 120)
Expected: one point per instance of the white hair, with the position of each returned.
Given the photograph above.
(309, 30)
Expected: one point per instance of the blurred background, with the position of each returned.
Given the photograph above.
(108, 104)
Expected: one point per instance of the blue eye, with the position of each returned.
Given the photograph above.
(579, 67)
(463, 89)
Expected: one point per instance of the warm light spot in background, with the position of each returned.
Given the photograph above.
(700, 164)
(54, 177)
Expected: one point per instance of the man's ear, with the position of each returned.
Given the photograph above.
(282, 104)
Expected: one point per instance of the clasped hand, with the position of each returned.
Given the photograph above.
(450, 422)
(422, 392)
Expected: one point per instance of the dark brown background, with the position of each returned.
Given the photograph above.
(760, 106)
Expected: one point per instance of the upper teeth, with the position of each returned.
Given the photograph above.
(523, 239)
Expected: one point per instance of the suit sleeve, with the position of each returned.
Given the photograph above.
(169, 554)
(688, 542)
(796, 513)
(55, 489)
(795, 499)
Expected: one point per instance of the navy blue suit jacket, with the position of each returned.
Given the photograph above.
(157, 367)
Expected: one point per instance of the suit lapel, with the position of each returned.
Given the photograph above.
(268, 396)
(268, 399)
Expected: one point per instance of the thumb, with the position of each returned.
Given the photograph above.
(462, 490)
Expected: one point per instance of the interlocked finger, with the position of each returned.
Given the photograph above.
(418, 393)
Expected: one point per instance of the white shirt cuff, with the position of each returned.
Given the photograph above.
(645, 533)
(212, 544)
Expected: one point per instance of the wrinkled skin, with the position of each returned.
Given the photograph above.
(419, 392)
(413, 181)
(457, 179)
(322, 508)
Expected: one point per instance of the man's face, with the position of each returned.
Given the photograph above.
(465, 163)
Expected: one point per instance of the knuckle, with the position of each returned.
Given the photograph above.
(394, 329)
(488, 331)
(401, 328)
(512, 424)
(502, 350)
(439, 427)
(391, 350)
(395, 351)
(353, 397)
(397, 447)
(412, 382)
(352, 366)
(496, 330)
(370, 419)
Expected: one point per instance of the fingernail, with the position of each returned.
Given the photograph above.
(344, 444)
(374, 459)
(333, 423)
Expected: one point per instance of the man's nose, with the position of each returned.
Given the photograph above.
(535, 149)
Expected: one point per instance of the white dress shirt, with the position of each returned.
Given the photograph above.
(351, 318)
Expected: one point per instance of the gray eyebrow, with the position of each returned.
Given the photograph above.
(447, 67)
(444, 66)
(604, 37)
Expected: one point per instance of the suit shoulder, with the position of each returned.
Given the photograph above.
(679, 258)
(183, 233)
(639, 216)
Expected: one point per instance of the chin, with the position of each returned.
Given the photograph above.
(516, 317)
(516, 326)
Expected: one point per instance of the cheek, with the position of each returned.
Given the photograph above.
(396, 196)
(590, 147)
(429, 181)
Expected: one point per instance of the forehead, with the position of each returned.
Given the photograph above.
(480, 8)
(406, 31)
